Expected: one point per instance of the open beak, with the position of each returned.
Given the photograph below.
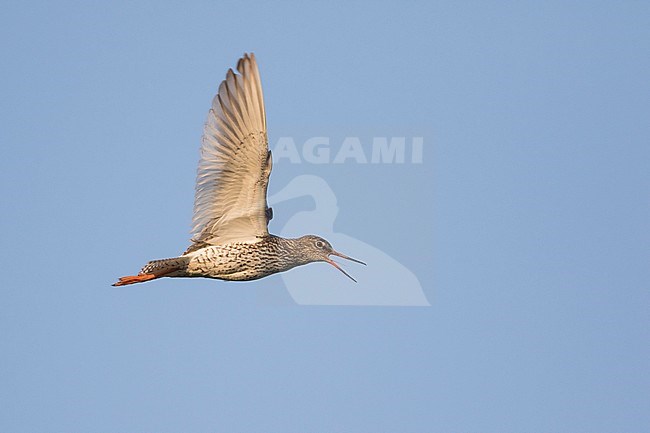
(343, 256)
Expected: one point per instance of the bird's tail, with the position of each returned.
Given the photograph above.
(174, 267)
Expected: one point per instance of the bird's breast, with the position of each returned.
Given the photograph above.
(238, 261)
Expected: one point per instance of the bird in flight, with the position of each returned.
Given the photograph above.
(230, 239)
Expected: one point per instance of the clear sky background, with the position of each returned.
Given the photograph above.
(526, 224)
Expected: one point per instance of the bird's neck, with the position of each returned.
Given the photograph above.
(289, 249)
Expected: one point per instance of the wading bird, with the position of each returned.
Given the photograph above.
(230, 239)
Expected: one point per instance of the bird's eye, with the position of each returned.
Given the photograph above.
(320, 244)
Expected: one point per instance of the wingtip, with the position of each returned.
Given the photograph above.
(245, 58)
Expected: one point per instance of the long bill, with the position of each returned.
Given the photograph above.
(343, 256)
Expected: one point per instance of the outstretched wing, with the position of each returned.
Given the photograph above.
(233, 174)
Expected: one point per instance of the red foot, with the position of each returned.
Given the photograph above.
(134, 279)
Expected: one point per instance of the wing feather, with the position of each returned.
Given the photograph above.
(233, 174)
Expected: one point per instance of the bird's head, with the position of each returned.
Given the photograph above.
(317, 249)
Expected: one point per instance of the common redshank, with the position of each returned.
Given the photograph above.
(230, 239)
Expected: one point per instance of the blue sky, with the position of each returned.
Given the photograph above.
(526, 223)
